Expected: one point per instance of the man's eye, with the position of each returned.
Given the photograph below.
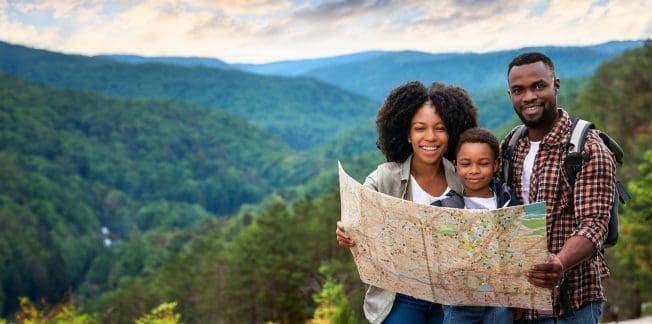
(516, 91)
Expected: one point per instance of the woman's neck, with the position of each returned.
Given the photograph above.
(430, 178)
(426, 171)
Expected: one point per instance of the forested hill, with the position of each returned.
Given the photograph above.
(73, 162)
(304, 112)
(475, 72)
(373, 74)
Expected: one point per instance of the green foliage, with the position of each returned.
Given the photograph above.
(75, 162)
(636, 246)
(269, 266)
(332, 303)
(266, 271)
(56, 314)
(275, 104)
(162, 314)
(618, 99)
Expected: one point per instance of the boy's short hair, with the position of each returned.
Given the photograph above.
(479, 135)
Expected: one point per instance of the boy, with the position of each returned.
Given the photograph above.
(476, 165)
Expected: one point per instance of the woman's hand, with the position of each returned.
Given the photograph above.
(343, 239)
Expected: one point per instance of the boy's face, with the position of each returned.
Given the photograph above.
(476, 166)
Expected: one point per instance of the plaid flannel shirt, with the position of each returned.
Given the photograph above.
(584, 211)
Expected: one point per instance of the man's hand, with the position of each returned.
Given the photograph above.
(546, 275)
(343, 239)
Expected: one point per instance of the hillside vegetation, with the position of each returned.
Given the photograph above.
(303, 112)
(74, 162)
(373, 74)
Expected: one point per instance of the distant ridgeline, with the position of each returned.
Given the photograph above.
(303, 112)
(373, 74)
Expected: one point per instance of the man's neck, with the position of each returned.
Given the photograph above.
(536, 134)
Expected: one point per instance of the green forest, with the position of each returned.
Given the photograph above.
(208, 202)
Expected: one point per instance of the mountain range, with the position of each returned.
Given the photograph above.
(304, 112)
(373, 74)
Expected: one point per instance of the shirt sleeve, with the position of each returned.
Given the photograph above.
(594, 192)
(372, 180)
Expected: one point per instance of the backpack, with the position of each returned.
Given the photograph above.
(573, 165)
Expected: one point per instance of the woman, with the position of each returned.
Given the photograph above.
(418, 130)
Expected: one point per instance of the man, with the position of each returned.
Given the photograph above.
(576, 218)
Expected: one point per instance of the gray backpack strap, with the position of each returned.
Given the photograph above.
(575, 158)
(578, 135)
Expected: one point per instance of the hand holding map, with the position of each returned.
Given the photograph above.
(444, 255)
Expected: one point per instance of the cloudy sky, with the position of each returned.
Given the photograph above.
(256, 31)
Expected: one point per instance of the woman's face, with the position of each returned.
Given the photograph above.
(428, 135)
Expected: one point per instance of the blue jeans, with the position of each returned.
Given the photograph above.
(477, 314)
(408, 309)
(588, 314)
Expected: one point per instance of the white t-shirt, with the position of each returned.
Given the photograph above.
(480, 202)
(421, 196)
(528, 164)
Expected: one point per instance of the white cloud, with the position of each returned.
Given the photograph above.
(266, 30)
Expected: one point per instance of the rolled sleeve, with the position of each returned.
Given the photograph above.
(594, 193)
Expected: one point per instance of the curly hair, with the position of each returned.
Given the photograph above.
(452, 103)
(456, 109)
(394, 118)
(479, 135)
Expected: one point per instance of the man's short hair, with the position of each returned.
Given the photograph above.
(529, 58)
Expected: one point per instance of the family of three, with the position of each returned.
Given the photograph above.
(437, 155)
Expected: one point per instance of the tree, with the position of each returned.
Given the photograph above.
(635, 247)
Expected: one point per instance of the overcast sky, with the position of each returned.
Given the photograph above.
(258, 31)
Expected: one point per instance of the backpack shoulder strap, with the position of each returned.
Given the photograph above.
(574, 157)
(508, 154)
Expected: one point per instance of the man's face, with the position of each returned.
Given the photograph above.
(533, 91)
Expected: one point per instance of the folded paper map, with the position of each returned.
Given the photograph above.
(446, 255)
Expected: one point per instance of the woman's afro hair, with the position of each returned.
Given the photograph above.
(452, 103)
